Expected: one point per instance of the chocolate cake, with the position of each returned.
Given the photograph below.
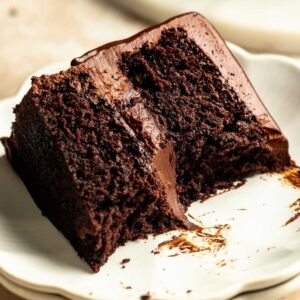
(119, 145)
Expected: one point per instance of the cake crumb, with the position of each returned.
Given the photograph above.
(125, 261)
(272, 247)
(145, 297)
(128, 287)
(188, 291)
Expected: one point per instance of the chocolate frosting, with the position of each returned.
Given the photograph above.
(164, 162)
(206, 37)
(165, 165)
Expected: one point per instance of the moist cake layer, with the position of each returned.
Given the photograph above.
(92, 171)
(218, 140)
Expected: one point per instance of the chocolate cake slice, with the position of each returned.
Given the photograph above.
(119, 145)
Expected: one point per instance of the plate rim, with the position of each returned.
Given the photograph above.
(234, 289)
(22, 291)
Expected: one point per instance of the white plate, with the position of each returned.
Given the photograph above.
(268, 25)
(277, 292)
(260, 252)
(27, 293)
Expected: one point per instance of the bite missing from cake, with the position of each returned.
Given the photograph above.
(117, 146)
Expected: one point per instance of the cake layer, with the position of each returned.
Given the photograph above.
(179, 61)
(93, 172)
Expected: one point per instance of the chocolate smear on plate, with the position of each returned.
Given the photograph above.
(125, 261)
(292, 176)
(296, 207)
(145, 297)
(200, 239)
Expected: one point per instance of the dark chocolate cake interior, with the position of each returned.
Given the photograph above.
(217, 139)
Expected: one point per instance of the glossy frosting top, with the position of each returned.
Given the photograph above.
(105, 60)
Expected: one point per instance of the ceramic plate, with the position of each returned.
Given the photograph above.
(245, 245)
(269, 25)
(277, 292)
(27, 293)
